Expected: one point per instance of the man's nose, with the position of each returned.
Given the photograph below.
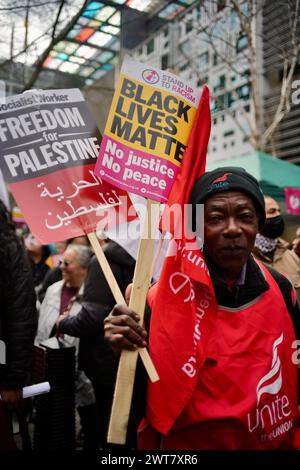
(232, 228)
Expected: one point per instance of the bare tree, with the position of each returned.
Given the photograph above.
(50, 21)
(55, 38)
(236, 44)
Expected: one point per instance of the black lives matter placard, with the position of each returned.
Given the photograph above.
(147, 129)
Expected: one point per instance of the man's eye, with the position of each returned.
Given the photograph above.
(215, 218)
(247, 216)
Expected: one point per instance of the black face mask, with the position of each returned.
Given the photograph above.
(273, 227)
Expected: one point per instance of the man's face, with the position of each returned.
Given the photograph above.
(230, 228)
(272, 207)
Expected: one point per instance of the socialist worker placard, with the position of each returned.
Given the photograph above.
(49, 144)
(147, 130)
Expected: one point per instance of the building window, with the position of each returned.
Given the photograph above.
(165, 61)
(228, 100)
(201, 81)
(223, 117)
(185, 47)
(150, 46)
(203, 59)
(215, 121)
(220, 83)
(247, 108)
(222, 102)
(218, 104)
(224, 146)
(221, 4)
(246, 74)
(232, 143)
(241, 43)
(228, 133)
(198, 12)
(233, 20)
(243, 92)
(189, 26)
(166, 32)
(183, 66)
(215, 59)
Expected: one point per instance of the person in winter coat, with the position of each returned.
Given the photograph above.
(96, 358)
(222, 344)
(18, 322)
(273, 250)
(37, 255)
(63, 298)
(296, 243)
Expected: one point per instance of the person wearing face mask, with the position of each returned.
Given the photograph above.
(296, 242)
(274, 250)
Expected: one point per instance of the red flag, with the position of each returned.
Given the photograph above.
(193, 166)
(183, 306)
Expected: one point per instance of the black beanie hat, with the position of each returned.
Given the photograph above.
(229, 178)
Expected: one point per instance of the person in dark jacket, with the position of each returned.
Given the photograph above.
(18, 323)
(224, 355)
(273, 250)
(37, 255)
(96, 358)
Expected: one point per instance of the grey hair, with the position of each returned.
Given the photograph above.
(83, 254)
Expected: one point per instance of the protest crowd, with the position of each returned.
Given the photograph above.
(220, 321)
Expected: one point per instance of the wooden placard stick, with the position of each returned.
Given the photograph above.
(109, 276)
(157, 255)
(126, 372)
(119, 298)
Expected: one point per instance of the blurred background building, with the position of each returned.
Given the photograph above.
(247, 51)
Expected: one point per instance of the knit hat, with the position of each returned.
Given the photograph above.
(229, 179)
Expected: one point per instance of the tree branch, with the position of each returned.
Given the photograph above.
(289, 66)
(54, 41)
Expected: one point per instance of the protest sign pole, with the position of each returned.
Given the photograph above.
(157, 255)
(137, 158)
(127, 365)
(110, 278)
(119, 298)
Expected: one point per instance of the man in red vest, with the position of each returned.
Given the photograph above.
(226, 358)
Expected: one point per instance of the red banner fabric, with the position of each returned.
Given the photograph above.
(184, 306)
